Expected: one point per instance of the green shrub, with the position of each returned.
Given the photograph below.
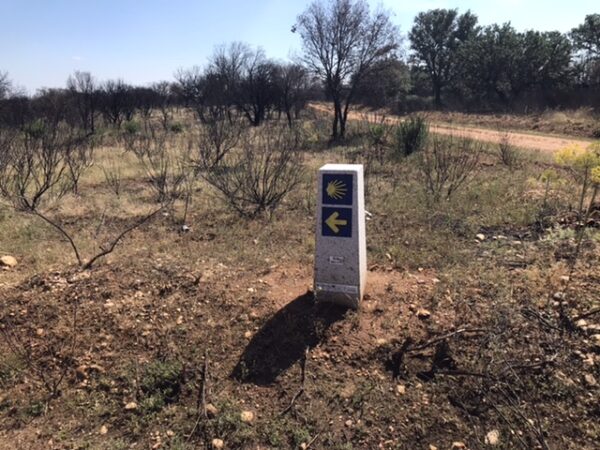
(411, 136)
(177, 127)
(132, 127)
(161, 384)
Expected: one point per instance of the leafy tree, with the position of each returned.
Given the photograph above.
(502, 64)
(385, 84)
(342, 41)
(586, 37)
(436, 38)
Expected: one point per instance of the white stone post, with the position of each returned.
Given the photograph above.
(341, 247)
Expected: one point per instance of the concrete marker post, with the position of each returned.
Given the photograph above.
(341, 247)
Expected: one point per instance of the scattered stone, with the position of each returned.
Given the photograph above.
(559, 295)
(480, 237)
(211, 410)
(103, 429)
(303, 446)
(248, 334)
(581, 323)
(564, 278)
(590, 380)
(401, 389)
(217, 444)
(8, 261)
(348, 423)
(40, 332)
(492, 438)
(170, 433)
(381, 341)
(432, 447)
(247, 416)
(458, 445)
(596, 339)
(131, 406)
(423, 314)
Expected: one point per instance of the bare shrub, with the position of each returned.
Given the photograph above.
(446, 164)
(36, 169)
(215, 140)
(165, 161)
(256, 177)
(113, 176)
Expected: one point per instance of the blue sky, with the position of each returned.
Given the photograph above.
(43, 41)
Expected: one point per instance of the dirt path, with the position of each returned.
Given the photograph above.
(544, 143)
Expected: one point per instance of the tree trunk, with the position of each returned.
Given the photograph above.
(437, 92)
(337, 117)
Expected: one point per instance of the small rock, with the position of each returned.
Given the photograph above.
(8, 261)
(564, 278)
(423, 313)
(217, 444)
(170, 433)
(103, 429)
(185, 228)
(248, 334)
(251, 290)
(211, 410)
(559, 295)
(401, 389)
(40, 332)
(348, 423)
(590, 380)
(247, 416)
(581, 323)
(432, 447)
(458, 445)
(596, 340)
(303, 446)
(131, 406)
(492, 438)
(480, 237)
(381, 341)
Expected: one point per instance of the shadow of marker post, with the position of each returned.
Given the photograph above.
(284, 337)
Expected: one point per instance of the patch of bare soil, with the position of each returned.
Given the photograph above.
(424, 362)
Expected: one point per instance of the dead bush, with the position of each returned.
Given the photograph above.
(446, 164)
(216, 138)
(39, 166)
(256, 177)
(164, 158)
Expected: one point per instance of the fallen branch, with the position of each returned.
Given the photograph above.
(586, 314)
(201, 406)
(446, 336)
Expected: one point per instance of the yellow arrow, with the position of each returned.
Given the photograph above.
(333, 222)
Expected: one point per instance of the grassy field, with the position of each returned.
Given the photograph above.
(471, 335)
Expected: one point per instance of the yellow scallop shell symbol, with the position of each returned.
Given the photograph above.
(336, 189)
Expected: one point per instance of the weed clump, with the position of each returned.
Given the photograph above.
(411, 136)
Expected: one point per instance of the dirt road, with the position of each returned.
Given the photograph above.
(544, 143)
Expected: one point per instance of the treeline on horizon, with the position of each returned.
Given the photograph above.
(446, 61)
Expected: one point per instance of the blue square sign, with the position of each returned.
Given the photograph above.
(337, 189)
(336, 222)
